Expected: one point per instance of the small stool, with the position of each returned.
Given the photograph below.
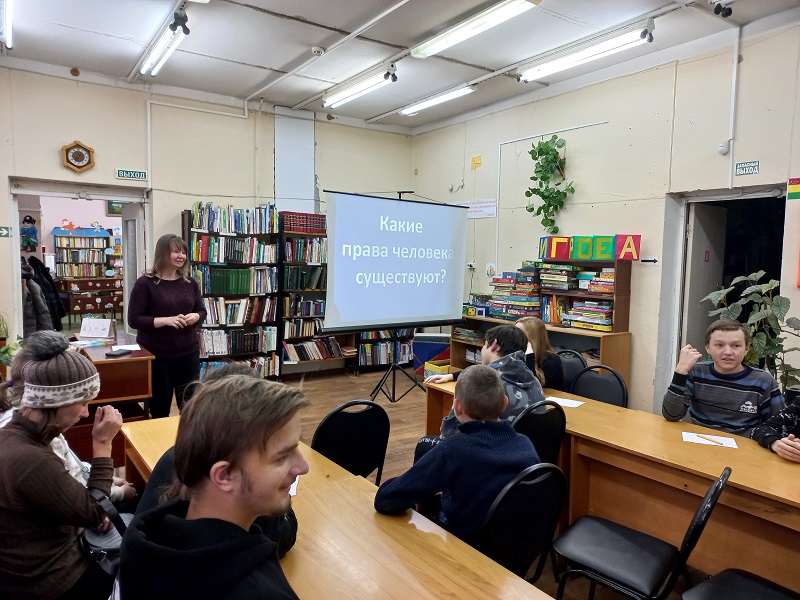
(735, 583)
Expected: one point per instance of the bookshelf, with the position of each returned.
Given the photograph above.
(302, 287)
(613, 348)
(378, 347)
(233, 254)
(81, 252)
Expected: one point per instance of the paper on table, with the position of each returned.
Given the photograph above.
(293, 488)
(723, 441)
(565, 401)
(126, 347)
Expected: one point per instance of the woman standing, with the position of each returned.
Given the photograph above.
(165, 307)
(540, 357)
(42, 506)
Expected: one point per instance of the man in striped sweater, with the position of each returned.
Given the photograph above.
(722, 393)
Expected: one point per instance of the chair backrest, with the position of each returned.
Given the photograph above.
(543, 424)
(355, 440)
(571, 363)
(590, 382)
(521, 522)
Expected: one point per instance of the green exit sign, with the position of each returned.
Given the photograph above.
(747, 168)
(126, 174)
(5, 231)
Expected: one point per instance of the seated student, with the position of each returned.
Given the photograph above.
(42, 508)
(540, 356)
(503, 350)
(236, 456)
(469, 469)
(722, 393)
(281, 529)
(781, 433)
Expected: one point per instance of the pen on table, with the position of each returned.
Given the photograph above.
(709, 438)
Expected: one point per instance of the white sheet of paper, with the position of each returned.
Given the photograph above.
(726, 442)
(293, 489)
(126, 347)
(566, 402)
(97, 328)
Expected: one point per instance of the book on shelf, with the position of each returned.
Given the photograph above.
(316, 349)
(262, 366)
(217, 342)
(262, 219)
(303, 222)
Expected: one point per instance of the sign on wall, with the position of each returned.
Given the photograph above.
(127, 174)
(747, 168)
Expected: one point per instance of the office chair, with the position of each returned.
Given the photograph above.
(543, 424)
(626, 560)
(591, 383)
(521, 522)
(571, 363)
(735, 583)
(355, 440)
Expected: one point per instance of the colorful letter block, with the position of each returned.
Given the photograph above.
(628, 246)
(582, 247)
(604, 247)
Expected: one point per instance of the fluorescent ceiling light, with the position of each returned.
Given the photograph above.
(8, 17)
(599, 50)
(170, 39)
(361, 88)
(415, 108)
(499, 13)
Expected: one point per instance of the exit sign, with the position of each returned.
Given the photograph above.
(126, 174)
(747, 168)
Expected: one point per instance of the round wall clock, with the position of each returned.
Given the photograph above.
(77, 156)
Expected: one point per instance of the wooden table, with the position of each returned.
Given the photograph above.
(345, 549)
(634, 468)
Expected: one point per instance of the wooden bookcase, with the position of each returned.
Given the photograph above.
(377, 348)
(81, 252)
(234, 258)
(614, 346)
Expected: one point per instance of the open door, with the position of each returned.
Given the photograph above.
(705, 254)
(134, 249)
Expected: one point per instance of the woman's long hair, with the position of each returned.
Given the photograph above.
(536, 333)
(165, 245)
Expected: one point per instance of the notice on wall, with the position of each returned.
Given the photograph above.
(479, 209)
(793, 189)
(747, 168)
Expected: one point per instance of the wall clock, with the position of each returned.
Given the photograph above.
(77, 156)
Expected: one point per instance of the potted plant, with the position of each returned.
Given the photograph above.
(765, 313)
(549, 182)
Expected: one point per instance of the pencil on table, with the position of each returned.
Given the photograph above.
(709, 438)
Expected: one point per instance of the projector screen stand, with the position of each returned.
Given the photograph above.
(394, 368)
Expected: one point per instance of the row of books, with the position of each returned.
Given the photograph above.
(472, 336)
(220, 342)
(309, 250)
(251, 310)
(383, 353)
(473, 355)
(253, 280)
(223, 250)
(296, 328)
(316, 349)
(295, 306)
(80, 242)
(298, 278)
(84, 256)
(303, 222)
(516, 294)
(242, 221)
(386, 334)
(263, 366)
(80, 270)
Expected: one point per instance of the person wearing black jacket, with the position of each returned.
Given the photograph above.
(41, 275)
(229, 470)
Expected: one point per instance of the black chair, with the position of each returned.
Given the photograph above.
(629, 561)
(735, 583)
(521, 522)
(571, 363)
(591, 383)
(355, 440)
(543, 424)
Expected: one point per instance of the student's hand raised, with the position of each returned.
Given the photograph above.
(439, 378)
(788, 448)
(687, 359)
(107, 423)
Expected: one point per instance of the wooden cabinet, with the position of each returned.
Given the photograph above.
(91, 295)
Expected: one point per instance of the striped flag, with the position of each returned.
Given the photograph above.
(794, 189)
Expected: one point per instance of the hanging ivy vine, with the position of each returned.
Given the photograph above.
(549, 181)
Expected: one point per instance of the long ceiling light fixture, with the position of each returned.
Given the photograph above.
(594, 51)
(365, 86)
(452, 95)
(499, 13)
(170, 38)
(8, 16)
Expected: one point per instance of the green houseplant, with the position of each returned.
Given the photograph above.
(765, 313)
(549, 182)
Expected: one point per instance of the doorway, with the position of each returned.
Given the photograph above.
(726, 239)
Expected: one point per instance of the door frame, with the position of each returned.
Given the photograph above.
(19, 186)
(673, 273)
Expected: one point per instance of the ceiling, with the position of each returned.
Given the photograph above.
(254, 49)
